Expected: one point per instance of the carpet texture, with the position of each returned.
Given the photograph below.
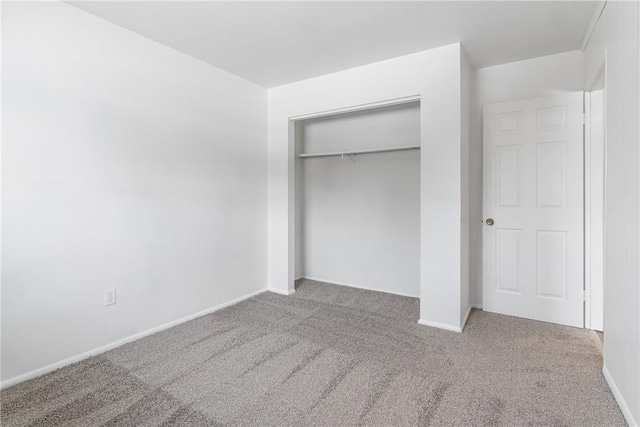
(330, 356)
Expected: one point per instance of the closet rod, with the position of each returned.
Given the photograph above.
(349, 153)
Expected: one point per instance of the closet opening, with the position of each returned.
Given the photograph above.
(357, 199)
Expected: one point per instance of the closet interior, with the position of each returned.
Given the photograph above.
(357, 199)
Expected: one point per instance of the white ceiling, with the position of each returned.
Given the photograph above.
(273, 43)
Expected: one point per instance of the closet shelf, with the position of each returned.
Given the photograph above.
(350, 153)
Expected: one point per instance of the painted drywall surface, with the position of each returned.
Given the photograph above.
(125, 164)
(465, 186)
(510, 82)
(298, 202)
(616, 37)
(435, 76)
(360, 221)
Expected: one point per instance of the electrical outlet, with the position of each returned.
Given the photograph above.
(110, 296)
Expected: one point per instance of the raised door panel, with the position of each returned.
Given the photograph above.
(507, 260)
(551, 174)
(507, 175)
(551, 264)
(551, 118)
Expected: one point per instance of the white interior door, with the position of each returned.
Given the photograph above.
(533, 209)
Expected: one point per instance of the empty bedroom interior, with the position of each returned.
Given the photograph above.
(320, 213)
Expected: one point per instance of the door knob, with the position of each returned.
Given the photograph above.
(489, 221)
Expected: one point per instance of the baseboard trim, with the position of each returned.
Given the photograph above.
(439, 325)
(616, 393)
(350, 285)
(278, 291)
(477, 306)
(448, 327)
(79, 357)
(466, 317)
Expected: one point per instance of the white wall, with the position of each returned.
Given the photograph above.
(125, 164)
(465, 186)
(616, 38)
(510, 82)
(360, 222)
(434, 75)
(298, 202)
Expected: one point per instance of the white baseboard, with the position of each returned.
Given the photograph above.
(350, 285)
(446, 326)
(77, 358)
(466, 317)
(439, 325)
(281, 292)
(621, 402)
(477, 306)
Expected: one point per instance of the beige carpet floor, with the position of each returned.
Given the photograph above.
(330, 356)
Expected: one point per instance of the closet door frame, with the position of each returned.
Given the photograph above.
(439, 79)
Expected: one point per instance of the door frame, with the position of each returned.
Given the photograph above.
(594, 154)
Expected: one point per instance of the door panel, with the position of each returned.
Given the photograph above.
(551, 174)
(508, 176)
(533, 191)
(508, 260)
